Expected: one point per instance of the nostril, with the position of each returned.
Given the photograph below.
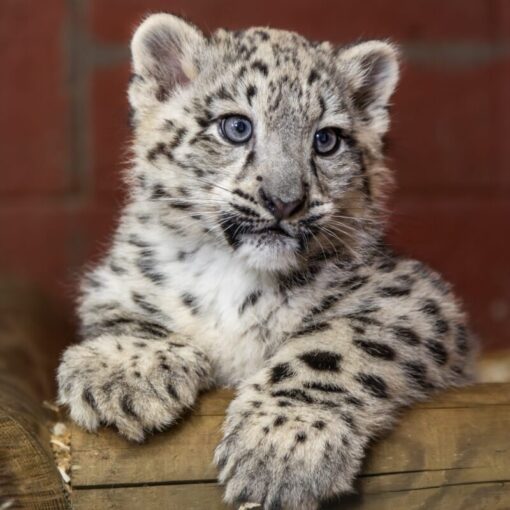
(267, 201)
(292, 208)
(278, 208)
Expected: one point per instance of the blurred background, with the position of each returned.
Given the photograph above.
(64, 132)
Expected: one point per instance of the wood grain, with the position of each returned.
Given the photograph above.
(28, 475)
(452, 452)
(485, 496)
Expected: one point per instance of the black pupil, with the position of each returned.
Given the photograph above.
(240, 126)
(323, 137)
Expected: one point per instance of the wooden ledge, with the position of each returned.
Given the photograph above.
(452, 452)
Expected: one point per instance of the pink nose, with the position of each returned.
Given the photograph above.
(278, 208)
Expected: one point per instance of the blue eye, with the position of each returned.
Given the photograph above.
(236, 128)
(326, 141)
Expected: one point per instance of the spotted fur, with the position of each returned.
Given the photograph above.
(323, 330)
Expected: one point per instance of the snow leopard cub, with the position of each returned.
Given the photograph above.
(251, 255)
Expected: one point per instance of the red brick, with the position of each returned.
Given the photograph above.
(502, 121)
(466, 241)
(33, 98)
(437, 20)
(444, 136)
(110, 129)
(500, 19)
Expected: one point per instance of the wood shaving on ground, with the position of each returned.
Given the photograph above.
(60, 442)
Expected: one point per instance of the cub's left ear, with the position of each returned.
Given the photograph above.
(371, 70)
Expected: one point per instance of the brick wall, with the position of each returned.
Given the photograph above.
(63, 130)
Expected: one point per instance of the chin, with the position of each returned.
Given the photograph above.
(274, 254)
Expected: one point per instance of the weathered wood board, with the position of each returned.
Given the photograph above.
(450, 453)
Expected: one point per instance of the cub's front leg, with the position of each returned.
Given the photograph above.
(135, 384)
(295, 435)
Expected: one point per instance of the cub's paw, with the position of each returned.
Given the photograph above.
(136, 385)
(284, 454)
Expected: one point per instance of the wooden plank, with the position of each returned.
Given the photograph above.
(183, 453)
(449, 453)
(484, 496)
(478, 395)
(461, 437)
(202, 496)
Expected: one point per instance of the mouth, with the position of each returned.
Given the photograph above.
(266, 246)
(272, 231)
(236, 230)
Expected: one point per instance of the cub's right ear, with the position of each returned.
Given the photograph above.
(163, 50)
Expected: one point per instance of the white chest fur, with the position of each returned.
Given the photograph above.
(225, 308)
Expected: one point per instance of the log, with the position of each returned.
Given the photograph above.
(28, 475)
(452, 452)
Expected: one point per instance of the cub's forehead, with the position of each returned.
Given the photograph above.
(276, 48)
(280, 74)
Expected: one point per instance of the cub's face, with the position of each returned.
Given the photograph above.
(261, 141)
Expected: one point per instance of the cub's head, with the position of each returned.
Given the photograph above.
(261, 141)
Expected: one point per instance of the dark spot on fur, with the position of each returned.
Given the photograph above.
(461, 339)
(430, 307)
(301, 437)
(191, 302)
(417, 374)
(162, 94)
(390, 292)
(325, 304)
(183, 206)
(437, 350)
(264, 36)
(171, 391)
(312, 329)
(322, 360)
(348, 419)
(127, 407)
(260, 66)
(374, 384)
(251, 91)
(143, 304)
(376, 349)
(279, 421)
(407, 335)
(441, 326)
(313, 76)
(355, 283)
(89, 398)
(326, 387)
(280, 372)
(117, 269)
(355, 401)
(294, 394)
(159, 149)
